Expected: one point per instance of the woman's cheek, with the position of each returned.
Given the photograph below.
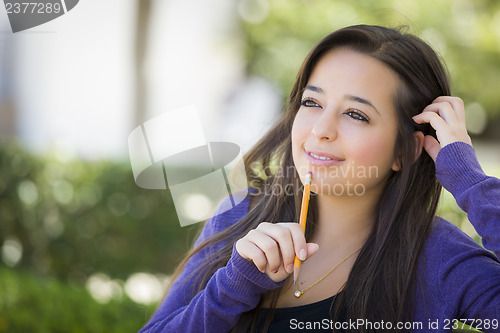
(373, 152)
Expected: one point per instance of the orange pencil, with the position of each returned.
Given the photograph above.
(303, 218)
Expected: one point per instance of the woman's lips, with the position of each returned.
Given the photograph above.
(321, 159)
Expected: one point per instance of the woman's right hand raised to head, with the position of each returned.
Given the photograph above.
(272, 248)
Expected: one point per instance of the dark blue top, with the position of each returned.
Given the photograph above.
(314, 317)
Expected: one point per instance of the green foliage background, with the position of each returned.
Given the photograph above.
(32, 303)
(85, 217)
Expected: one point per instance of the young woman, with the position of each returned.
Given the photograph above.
(370, 115)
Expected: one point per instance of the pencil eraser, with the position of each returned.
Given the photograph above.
(308, 178)
(309, 173)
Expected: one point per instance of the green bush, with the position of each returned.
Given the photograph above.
(45, 305)
(76, 218)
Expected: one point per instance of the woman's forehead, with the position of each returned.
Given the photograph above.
(344, 71)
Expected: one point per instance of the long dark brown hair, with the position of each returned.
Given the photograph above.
(383, 281)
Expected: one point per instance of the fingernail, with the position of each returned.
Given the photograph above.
(302, 255)
(289, 268)
(276, 271)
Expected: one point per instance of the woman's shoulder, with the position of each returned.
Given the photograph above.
(232, 209)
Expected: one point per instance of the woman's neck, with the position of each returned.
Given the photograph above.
(344, 220)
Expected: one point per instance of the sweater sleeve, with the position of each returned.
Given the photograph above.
(469, 277)
(458, 170)
(232, 290)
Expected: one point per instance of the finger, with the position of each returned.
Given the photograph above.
(274, 270)
(431, 146)
(283, 237)
(298, 238)
(445, 133)
(438, 123)
(267, 245)
(445, 110)
(457, 105)
(312, 248)
(250, 251)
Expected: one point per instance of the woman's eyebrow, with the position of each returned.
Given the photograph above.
(349, 97)
(314, 88)
(361, 100)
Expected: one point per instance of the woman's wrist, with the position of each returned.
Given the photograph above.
(457, 168)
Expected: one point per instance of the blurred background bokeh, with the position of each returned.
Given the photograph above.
(82, 248)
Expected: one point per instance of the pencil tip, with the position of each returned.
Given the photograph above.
(295, 274)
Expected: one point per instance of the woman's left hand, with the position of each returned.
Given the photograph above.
(446, 115)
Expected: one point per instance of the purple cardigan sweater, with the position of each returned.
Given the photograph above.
(459, 279)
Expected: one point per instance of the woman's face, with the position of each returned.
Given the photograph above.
(345, 130)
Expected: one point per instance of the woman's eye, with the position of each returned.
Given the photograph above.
(309, 103)
(357, 115)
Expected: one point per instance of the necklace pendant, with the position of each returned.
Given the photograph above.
(298, 293)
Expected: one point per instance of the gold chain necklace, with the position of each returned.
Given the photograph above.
(299, 293)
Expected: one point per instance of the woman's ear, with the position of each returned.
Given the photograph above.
(396, 165)
(419, 139)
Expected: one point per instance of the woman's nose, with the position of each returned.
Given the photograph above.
(325, 127)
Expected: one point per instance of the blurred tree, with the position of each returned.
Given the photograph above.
(141, 45)
(7, 106)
